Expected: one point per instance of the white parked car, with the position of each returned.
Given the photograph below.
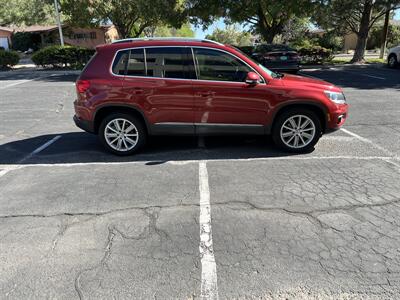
(394, 57)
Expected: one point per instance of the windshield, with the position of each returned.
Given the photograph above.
(266, 70)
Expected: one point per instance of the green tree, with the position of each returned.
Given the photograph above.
(353, 16)
(130, 17)
(375, 38)
(26, 12)
(266, 17)
(231, 35)
(166, 31)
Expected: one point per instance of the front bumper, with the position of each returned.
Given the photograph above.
(337, 118)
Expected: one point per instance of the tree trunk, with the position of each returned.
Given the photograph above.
(362, 34)
(267, 34)
(385, 33)
(123, 32)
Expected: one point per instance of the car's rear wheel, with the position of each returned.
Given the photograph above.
(392, 61)
(297, 130)
(122, 134)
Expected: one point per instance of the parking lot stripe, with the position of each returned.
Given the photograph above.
(365, 75)
(25, 81)
(184, 162)
(8, 169)
(209, 287)
(15, 83)
(40, 149)
(367, 141)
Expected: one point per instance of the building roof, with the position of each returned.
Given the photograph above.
(8, 29)
(38, 28)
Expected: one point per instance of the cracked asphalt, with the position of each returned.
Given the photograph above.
(79, 223)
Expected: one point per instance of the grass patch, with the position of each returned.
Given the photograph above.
(346, 60)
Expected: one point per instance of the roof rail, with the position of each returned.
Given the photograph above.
(165, 39)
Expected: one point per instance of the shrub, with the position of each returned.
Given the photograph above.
(62, 57)
(22, 41)
(315, 55)
(8, 59)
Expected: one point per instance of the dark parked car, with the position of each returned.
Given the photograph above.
(135, 88)
(280, 58)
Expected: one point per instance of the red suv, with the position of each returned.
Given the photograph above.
(139, 87)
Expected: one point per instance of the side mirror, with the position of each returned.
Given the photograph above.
(252, 78)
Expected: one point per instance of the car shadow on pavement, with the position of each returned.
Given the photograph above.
(81, 147)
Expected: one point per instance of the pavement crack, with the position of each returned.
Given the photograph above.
(94, 214)
(102, 264)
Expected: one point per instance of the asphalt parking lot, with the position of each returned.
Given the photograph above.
(193, 218)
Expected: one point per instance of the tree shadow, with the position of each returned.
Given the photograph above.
(362, 77)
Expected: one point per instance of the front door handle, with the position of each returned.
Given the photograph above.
(138, 91)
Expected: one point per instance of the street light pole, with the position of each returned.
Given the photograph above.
(59, 22)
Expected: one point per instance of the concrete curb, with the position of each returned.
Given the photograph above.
(330, 66)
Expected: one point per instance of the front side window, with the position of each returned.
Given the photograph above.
(219, 66)
(165, 62)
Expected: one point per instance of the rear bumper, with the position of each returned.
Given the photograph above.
(87, 126)
(282, 67)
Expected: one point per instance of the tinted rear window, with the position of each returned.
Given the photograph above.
(165, 62)
(160, 62)
(136, 66)
(120, 61)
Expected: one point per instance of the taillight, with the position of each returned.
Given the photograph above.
(82, 85)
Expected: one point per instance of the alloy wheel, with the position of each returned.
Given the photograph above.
(121, 134)
(297, 131)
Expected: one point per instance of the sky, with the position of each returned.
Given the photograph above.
(201, 34)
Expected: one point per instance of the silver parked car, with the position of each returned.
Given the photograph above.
(394, 57)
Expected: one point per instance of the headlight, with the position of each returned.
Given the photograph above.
(336, 97)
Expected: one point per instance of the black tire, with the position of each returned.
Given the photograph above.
(392, 61)
(140, 129)
(285, 116)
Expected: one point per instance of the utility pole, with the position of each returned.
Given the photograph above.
(59, 22)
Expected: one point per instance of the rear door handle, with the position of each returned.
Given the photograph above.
(206, 94)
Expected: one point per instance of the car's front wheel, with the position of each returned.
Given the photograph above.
(122, 134)
(392, 61)
(297, 130)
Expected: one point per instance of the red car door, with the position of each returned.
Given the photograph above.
(157, 81)
(223, 101)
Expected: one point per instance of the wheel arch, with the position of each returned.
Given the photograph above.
(318, 109)
(106, 110)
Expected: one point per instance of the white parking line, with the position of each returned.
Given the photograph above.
(185, 162)
(365, 75)
(40, 149)
(25, 81)
(8, 169)
(209, 287)
(367, 141)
